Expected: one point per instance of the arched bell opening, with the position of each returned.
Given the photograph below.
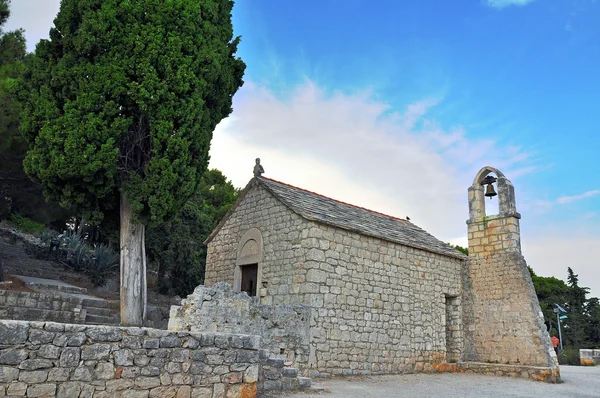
(491, 194)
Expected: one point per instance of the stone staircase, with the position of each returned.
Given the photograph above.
(47, 277)
(16, 261)
(277, 377)
(98, 313)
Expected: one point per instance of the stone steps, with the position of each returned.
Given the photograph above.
(277, 376)
(98, 313)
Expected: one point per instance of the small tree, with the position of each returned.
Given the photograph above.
(120, 105)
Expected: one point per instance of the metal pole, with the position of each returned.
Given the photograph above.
(559, 333)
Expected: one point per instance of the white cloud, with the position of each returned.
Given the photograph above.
(550, 255)
(358, 150)
(569, 199)
(507, 3)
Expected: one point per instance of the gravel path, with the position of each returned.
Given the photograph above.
(578, 382)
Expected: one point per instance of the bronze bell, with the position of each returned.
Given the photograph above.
(489, 190)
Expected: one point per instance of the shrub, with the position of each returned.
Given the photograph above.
(569, 356)
(104, 264)
(25, 224)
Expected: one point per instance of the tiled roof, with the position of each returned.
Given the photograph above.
(315, 207)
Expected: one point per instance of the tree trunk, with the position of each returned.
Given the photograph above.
(133, 268)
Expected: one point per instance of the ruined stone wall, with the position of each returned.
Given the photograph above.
(65, 360)
(502, 316)
(284, 330)
(377, 307)
(31, 306)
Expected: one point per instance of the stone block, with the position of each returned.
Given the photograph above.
(96, 351)
(135, 394)
(33, 376)
(8, 374)
(163, 392)
(123, 357)
(251, 374)
(59, 374)
(69, 390)
(16, 389)
(41, 337)
(81, 373)
(12, 356)
(34, 364)
(202, 392)
(70, 357)
(104, 333)
(144, 382)
(13, 332)
(119, 385)
(77, 340)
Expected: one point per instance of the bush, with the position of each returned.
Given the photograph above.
(569, 356)
(25, 224)
(104, 264)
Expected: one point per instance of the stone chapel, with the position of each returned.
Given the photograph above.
(381, 294)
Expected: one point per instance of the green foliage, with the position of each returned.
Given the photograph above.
(99, 263)
(569, 356)
(177, 247)
(17, 192)
(104, 263)
(24, 224)
(461, 249)
(581, 328)
(124, 98)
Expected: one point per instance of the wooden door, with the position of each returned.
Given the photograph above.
(249, 279)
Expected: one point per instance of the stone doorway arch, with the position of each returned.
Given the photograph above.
(248, 264)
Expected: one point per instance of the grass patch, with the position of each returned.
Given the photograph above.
(25, 224)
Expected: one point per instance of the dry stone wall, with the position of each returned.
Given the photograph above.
(43, 359)
(31, 306)
(376, 306)
(284, 330)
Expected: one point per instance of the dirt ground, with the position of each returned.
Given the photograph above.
(578, 382)
(12, 283)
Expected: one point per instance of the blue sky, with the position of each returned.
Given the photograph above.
(395, 106)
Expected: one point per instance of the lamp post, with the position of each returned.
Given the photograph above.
(558, 310)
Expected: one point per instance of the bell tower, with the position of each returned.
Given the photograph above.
(501, 313)
(495, 233)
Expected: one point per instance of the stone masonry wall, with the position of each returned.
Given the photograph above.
(377, 307)
(31, 306)
(281, 230)
(284, 330)
(502, 317)
(381, 307)
(40, 359)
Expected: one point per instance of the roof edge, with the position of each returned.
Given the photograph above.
(216, 230)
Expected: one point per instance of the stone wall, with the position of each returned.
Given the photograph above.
(502, 316)
(284, 330)
(589, 357)
(31, 306)
(65, 360)
(376, 306)
(380, 307)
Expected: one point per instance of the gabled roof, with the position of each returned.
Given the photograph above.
(319, 208)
